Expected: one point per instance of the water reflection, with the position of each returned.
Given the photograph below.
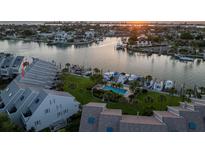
(104, 56)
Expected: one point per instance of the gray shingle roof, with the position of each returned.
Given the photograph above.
(140, 120)
(18, 61)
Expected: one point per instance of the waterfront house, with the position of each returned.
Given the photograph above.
(45, 35)
(90, 34)
(62, 37)
(142, 41)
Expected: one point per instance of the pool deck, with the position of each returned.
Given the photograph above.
(99, 86)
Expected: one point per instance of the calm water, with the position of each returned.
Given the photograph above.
(105, 56)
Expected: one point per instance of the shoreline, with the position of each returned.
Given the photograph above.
(139, 50)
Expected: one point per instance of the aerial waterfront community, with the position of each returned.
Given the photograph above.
(39, 94)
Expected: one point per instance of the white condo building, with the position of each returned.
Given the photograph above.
(11, 65)
(31, 104)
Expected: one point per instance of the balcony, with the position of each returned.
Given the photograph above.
(28, 113)
(2, 105)
(13, 110)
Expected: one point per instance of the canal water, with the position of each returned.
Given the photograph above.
(104, 56)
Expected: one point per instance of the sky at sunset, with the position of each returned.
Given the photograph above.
(103, 10)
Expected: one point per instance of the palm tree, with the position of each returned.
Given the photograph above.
(172, 91)
(131, 97)
(67, 66)
(189, 92)
(134, 85)
(119, 85)
(107, 96)
(113, 84)
(148, 77)
(96, 70)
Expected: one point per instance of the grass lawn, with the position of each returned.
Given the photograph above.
(142, 107)
(77, 86)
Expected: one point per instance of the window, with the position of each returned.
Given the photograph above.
(109, 129)
(47, 111)
(10, 94)
(13, 109)
(58, 114)
(91, 120)
(37, 100)
(21, 98)
(38, 122)
(65, 111)
(192, 125)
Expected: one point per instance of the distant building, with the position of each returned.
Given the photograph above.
(186, 117)
(62, 37)
(142, 41)
(90, 34)
(45, 36)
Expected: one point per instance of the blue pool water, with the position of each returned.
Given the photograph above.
(115, 90)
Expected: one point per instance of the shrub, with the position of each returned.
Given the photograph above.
(89, 87)
(148, 111)
(123, 100)
(135, 101)
(144, 91)
(98, 93)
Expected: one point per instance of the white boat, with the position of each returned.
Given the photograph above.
(183, 58)
(149, 84)
(168, 84)
(133, 77)
(120, 46)
(122, 79)
(158, 85)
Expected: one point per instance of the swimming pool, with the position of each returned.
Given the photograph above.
(115, 90)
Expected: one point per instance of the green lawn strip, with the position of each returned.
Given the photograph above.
(142, 107)
(80, 85)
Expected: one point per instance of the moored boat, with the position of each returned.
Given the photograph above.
(183, 58)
